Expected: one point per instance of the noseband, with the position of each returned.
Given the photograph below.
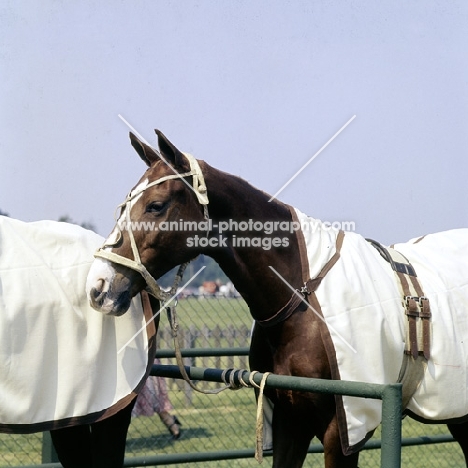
(198, 187)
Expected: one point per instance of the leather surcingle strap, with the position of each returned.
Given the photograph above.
(417, 306)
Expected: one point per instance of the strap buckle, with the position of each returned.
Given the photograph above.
(304, 290)
(418, 299)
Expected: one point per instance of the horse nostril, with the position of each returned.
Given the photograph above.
(95, 293)
(99, 287)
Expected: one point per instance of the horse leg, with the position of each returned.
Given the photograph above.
(73, 446)
(292, 433)
(97, 445)
(293, 429)
(334, 457)
(460, 434)
(108, 439)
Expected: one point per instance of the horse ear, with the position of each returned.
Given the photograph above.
(170, 152)
(145, 152)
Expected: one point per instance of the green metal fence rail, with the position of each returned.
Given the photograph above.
(196, 457)
(390, 443)
(389, 394)
(203, 352)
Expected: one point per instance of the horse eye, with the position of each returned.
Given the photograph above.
(155, 207)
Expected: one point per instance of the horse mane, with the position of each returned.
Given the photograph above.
(220, 182)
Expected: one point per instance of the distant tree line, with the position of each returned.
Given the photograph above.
(211, 272)
(84, 224)
(64, 219)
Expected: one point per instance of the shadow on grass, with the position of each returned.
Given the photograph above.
(165, 440)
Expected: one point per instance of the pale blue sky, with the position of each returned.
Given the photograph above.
(253, 88)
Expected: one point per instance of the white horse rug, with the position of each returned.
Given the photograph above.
(60, 363)
(366, 326)
(362, 304)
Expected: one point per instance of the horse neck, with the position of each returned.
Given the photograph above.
(231, 198)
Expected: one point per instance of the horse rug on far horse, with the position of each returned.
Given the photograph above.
(61, 362)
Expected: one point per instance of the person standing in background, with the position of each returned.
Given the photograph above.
(154, 398)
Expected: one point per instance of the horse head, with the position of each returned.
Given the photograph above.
(145, 242)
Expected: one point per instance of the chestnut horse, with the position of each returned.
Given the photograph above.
(288, 336)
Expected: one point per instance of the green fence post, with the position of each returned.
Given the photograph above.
(391, 426)
(49, 455)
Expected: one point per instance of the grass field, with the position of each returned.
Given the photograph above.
(225, 421)
(211, 312)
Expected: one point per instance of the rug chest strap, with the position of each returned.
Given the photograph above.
(310, 286)
(284, 313)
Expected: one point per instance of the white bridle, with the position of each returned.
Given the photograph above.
(198, 187)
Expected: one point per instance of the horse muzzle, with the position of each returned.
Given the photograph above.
(107, 290)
